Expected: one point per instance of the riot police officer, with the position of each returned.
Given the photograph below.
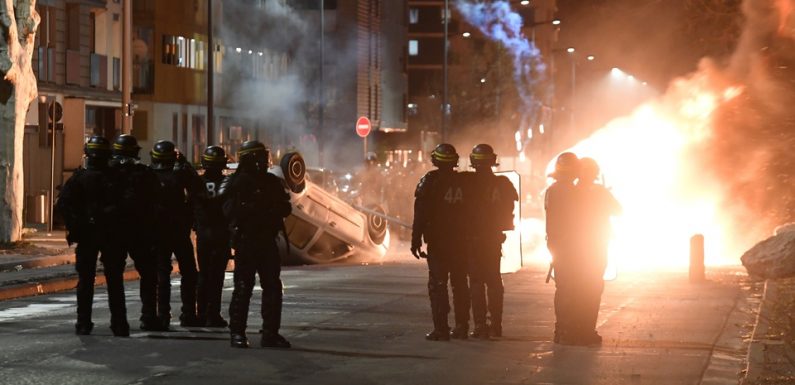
(491, 214)
(136, 188)
(562, 224)
(212, 238)
(596, 205)
(178, 181)
(87, 204)
(255, 205)
(439, 208)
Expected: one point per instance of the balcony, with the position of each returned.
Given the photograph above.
(99, 71)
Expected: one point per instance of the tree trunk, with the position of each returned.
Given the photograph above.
(18, 22)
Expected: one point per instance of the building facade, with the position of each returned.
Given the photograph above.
(78, 68)
(481, 89)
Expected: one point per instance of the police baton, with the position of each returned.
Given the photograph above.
(549, 273)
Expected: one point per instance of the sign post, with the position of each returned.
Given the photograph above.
(363, 128)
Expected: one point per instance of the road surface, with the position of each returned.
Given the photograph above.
(364, 324)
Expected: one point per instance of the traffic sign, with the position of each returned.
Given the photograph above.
(363, 127)
(55, 111)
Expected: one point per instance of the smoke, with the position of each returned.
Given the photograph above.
(497, 21)
(753, 136)
(270, 78)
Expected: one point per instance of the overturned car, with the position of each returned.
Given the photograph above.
(322, 227)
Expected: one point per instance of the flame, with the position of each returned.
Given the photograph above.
(649, 162)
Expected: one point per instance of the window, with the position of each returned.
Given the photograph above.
(183, 52)
(92, 31)
(199, 137)
(329, 247)
(142, 62)
(73, 27)
(444, 15)
(414, 47)
(414, 15)
(299, 231)
(175, 128)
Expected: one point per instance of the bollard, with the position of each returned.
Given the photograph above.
(697, 259)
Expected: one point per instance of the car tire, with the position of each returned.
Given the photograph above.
(376, 224)
(294, 170)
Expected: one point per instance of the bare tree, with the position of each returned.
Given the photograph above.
(18, 22)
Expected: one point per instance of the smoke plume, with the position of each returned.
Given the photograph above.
(498, 22)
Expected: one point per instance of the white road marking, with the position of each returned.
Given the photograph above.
(32, 310)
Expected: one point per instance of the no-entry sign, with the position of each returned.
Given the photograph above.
(363, 127)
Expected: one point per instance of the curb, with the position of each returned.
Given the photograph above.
(38, 262)
(54, 285)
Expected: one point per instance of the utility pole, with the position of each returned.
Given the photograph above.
(445, 101)
(126, 59)
(321, 87)
(210, 75)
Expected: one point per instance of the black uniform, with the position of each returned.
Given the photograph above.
(255, 204)
(439, 209)
(134, 232)
(212, 247)
(175, 220)
(596, 205)
(87, 203)
(491, 213)
(562, 225)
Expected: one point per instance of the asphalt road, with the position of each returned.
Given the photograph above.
(354, 324)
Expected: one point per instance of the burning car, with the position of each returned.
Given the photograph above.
(322, 227)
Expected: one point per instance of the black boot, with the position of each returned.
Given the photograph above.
(239, 340)
(481, 332)
(216, 321)
(274, 340)
(460, 332)
(190, 320)
(495, 330)
(440, 308)
(437, 335)
(84, 328)
(152, 324)
(120, 328)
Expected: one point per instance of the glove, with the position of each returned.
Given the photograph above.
(416, 249)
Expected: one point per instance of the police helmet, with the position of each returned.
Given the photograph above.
(214, 157)
(589, 169)
(483, 156)
(567, 166)
(444, 155)
(253, 152)
(97, 147)
(164, 155)
(126, 145)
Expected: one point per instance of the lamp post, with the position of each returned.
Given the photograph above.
(445, 100)
(50, 105)
(571, 52)
(210, 75)
(126, 79)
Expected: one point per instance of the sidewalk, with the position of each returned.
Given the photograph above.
(44, 264)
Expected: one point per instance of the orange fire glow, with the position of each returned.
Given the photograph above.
(647, 160)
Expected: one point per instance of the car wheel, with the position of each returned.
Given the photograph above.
(376, 224)
(294, 170)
